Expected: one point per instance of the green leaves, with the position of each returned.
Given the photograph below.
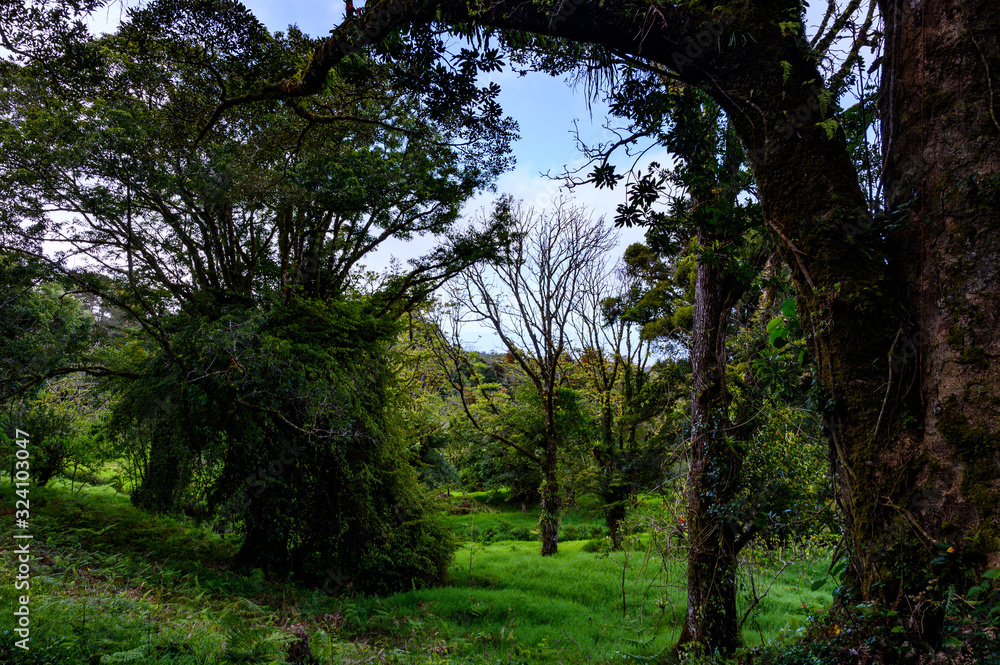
(781, 327)
(777, 333)
(830, 126)
(788, 308)
(786, 70)
(985, 584)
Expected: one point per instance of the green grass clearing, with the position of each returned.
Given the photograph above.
(111, 584)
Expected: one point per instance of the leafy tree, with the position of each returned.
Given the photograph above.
(425, 398)
(715, 201)
(726, 260)
(46, 332)
(621, 318)
(265, 393)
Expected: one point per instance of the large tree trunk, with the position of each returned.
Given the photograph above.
(265, 536)
(163, 477)
(934, 480)
(913, 443)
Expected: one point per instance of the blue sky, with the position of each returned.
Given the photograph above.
(544, 107)
(547, 110)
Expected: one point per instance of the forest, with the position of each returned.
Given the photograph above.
(769, 433)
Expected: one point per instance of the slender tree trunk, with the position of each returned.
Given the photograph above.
(550, 510)
(614, 490)
(714, 473)
(614, 518)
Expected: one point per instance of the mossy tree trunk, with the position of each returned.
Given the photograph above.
(164, 475)
(265, 535)
(715, 536)
(714, 471)
(931, 486)
(614, 490)
(550, 509)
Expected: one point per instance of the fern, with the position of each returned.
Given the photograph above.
(246, 606)
(830, 126)
(246, 638)
(135, 655)
(824, 98)
(789, 28)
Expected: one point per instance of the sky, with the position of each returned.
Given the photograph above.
(545, 109)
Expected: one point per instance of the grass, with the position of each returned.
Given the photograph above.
(488, 515)
(113, 584)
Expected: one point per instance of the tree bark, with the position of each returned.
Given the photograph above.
(933, 482)
(550, 509)
(265, 537)
(714, 471)
(163, 477)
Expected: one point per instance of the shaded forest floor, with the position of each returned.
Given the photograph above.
(112, 584)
